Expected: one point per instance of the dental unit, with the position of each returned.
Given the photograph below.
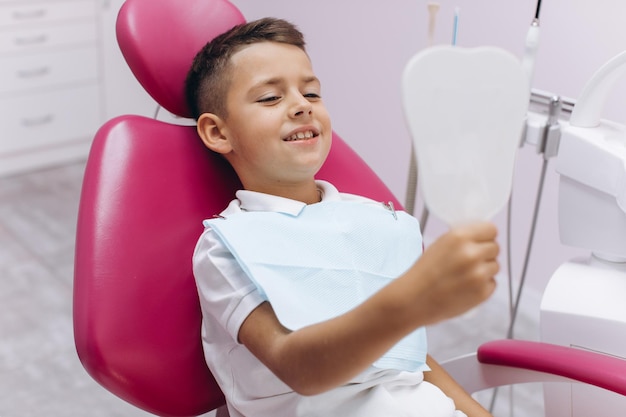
(583, 304)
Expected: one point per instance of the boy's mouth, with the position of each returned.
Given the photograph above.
(304, 135)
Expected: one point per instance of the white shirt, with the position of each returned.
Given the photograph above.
(228, 296)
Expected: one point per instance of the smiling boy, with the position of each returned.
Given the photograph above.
(304, 311)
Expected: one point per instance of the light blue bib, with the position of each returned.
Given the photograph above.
(325, 261)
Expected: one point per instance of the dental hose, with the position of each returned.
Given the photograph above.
(528, 64)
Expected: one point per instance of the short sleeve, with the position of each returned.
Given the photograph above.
(225, 291)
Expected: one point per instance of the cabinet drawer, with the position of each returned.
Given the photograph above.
(36, 38)
(48, 119)
(29, 72)
(42, 12)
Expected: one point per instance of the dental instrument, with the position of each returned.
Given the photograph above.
(455, 26)
(433, 8)
(532, 44)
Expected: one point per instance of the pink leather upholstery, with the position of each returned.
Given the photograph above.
(603, 371)
(160, 38)
(146, 188)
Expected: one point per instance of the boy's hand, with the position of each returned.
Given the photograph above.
(457, 271)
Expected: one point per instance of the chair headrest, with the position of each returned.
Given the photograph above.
(160, 39)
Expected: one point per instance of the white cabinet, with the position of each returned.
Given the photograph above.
(51, 100)
(62, 75)
(123, 93)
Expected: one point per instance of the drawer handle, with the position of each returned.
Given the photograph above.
(32, 73)
(38, 121)
(32, 40)
(29, 14)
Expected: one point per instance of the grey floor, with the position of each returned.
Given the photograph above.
(40, 374)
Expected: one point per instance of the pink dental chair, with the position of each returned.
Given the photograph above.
(147, 187)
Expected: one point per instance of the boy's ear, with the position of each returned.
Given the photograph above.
(211, 130)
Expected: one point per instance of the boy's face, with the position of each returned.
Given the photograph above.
(277, 128)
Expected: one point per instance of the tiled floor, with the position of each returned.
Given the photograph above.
(40, 374)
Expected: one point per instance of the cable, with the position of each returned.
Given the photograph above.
(528, 61)
(509, 255)
(538, 9)
(547, 142)
(528, 64)
(533, 228)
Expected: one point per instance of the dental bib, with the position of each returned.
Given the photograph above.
(325, 261)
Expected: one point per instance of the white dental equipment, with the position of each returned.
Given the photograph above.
(583, 304)
(465, 109)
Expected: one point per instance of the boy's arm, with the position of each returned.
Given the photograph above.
(453, 275)
(462, 400)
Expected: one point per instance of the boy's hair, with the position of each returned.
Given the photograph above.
(208, 79)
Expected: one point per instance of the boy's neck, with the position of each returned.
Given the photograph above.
(309, 194)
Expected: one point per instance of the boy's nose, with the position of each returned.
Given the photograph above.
(301, 107)
(302, 112)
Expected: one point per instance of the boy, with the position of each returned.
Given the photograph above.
(314, 301)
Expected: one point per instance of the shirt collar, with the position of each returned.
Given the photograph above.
(255, 201)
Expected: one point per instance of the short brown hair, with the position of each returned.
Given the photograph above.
(208, 79)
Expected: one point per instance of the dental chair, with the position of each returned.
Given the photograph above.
(147, 187)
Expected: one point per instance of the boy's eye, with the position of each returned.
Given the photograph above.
(269, 99)
(313, 96)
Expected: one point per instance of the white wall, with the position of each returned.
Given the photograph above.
(359, 49)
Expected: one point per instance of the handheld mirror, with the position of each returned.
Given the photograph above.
(465, 108)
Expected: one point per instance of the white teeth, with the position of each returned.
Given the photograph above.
(301, 135)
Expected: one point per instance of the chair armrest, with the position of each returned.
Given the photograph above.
(592, 368)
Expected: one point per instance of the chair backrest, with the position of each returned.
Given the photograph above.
(147, 187)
